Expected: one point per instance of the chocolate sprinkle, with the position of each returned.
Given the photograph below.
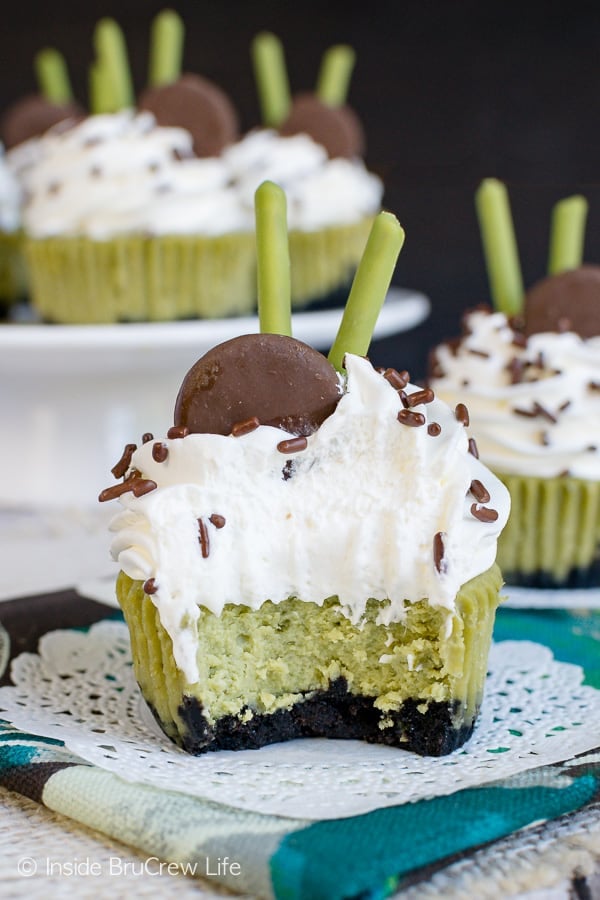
(438, 552)
(134, 483)
(409, 417)
(434, 366)
(148, 436)
(483, 513)
(424, 396)
(516, 367)
(564, 406)
(203, 538)
(483, 353)
(462, 414)
(119, 469)
(160, 452)
(542, 411)
(536, 410)
(479, 491)
(150, 586)
(217, 520)
(454, 345)
(397, 379)
(404, 399)
(245, 427)
(434, 429)
(177, 431)
(141, 486)
(473, 448)
(288, 470)
(111, 493)
(293, 444)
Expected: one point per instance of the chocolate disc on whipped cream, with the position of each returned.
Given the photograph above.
(337, 128)
(199, 106)
(269, 377)
(32, 116)
(569, 301)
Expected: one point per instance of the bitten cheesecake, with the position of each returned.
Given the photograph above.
(308, 552)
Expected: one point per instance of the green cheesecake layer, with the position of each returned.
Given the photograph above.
(259, 662)
(138, 278)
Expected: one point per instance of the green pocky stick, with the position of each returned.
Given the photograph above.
(52, 76)
(499, 246)
(271, 78)
(334, 75)
(567, 234)
(369, 289)
(166, 48)
(273, 260)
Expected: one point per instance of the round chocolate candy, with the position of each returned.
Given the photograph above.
(199, 106)
(271, 378)
(337, 128)
(569, 301)
(33, 115)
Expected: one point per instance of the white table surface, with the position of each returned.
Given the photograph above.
(50, 550)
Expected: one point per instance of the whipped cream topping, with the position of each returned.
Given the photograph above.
(122, 173)
(372, 508)
(320, 191)
(534, 404)
(10, 196)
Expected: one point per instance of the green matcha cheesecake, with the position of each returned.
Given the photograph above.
(310, 549)
(295, 669)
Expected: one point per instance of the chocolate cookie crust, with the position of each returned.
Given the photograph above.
(331, 713)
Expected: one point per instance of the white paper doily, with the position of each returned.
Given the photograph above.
(80, 689)
(550, 598)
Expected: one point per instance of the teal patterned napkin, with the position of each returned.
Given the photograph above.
(365, 856)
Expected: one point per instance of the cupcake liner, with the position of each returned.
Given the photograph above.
(458, 668)
(13, 282)
(552, 538)
(137, 278)
(323, 261)
(77, 280)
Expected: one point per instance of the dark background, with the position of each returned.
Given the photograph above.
(449, 93)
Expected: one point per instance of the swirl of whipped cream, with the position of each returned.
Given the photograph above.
(10, 196)
(371, 508)
(122, 173)
(534, 404)
(320, 191)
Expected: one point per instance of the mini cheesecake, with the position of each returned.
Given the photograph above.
(314, 560)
